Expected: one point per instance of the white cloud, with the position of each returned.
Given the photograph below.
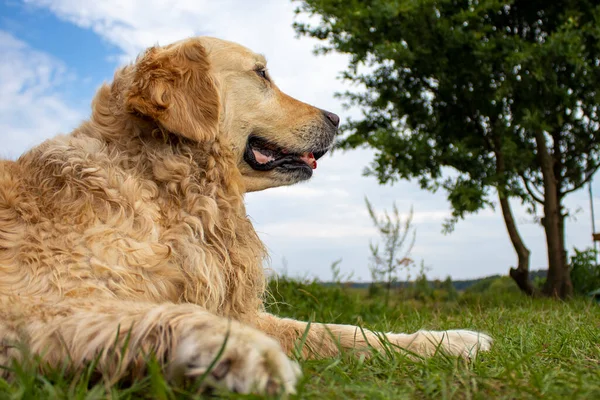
(310, 224)
(304, 192)
(263, 26)
(30, 109)
(317, 230)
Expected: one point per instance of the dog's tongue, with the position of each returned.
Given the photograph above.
(309, 158)
(262, 158)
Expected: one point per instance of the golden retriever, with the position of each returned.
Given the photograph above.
(132, 229)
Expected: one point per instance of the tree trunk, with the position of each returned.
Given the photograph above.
(558, 283)
(521, 274)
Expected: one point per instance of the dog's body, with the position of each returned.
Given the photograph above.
(132, 229)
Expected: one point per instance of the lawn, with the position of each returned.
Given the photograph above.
(543, 349)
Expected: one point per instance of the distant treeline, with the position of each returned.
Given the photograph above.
(459, 285)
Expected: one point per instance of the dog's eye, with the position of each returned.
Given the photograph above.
(262, 73)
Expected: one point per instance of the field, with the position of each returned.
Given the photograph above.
(543, 349)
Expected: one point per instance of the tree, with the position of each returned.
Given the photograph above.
(502, 92)
(451, 292)
(395, 232)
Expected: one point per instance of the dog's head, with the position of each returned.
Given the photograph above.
(203, 87)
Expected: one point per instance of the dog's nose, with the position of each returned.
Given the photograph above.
(333, 118)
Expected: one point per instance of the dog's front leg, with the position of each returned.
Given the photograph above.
(326, 340)
(185, 339)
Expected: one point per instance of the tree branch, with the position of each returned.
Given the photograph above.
(530, 190)
(590, 174)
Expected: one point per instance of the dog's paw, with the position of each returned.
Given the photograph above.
(458, 342)
(250, 361)
(463, 343)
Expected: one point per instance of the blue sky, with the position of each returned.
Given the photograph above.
(56, 54)
(86, 55)
(80, 48)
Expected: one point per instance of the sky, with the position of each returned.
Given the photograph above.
(55, 54)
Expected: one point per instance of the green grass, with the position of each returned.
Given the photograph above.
(543, 349)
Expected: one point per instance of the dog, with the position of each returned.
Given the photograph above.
(129, 235)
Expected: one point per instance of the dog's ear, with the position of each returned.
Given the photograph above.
(174, 87)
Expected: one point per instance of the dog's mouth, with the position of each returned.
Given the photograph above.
(263, 155)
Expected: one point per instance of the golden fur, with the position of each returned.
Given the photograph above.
(133, 228)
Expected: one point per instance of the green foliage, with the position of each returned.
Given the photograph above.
(482, 285)
(374, 289)
(423, 290)
(494, 291)
(585, 271)
(450, 290)
(538, 282)
(336, 273)
(493, 286)
(445, 83)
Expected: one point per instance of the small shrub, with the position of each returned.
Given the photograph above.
(395, 256)
(450, 290)
(585, 271)
(375, 290)
(482, 285)
(495, 290)
(422, 290)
